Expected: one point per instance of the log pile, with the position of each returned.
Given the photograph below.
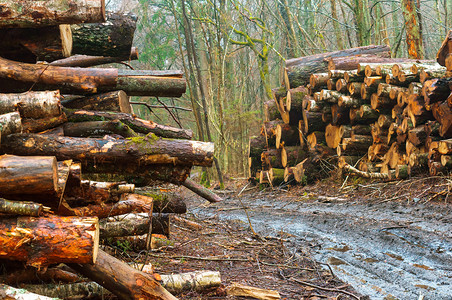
(64, 124)
(369, 114)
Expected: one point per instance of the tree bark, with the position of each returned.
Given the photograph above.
(136, 124)
(112, 38)
(37, 125)
(21, 76)
(10, 123)
(49, 240)
(30, 13)
(299, 69)
(134, 224)
(111, 101)
(32, 104)
(147, 150)
(11, 293)
(28, 175)
(83, 61)
(32, 44)
(23, 208)
(413, 30)
(286, 135)
(122, 280)
(98, 129)
(201, 191)
(165, 202)
(95, 191)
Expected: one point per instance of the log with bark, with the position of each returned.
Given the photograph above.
(122, 280)
(272, 158)
(21, 77)
(443, 114)
(32, 175)
(236, 289)
(445, 50)
(30, 13)
(300, 69)
(30, 125)
(34, 105)
(165, 202)
(112, 38)
(11, 293)
(134, 224)
(201, 191)
(49, 240)
(286, 135)
(111, 101)
(22, 208)
(10, 123)
(141, 151)
(136, 124)
(32, 44)
(80, 60)
(94, 191)
(98, 129)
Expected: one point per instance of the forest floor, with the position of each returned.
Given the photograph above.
(377, 240)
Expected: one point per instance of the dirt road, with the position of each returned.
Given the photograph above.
(387, 250)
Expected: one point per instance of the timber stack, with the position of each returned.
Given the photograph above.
(358, 109)
(73, 156)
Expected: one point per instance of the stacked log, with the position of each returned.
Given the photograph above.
(374, 116)
(63, 123)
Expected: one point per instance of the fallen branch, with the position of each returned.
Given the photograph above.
(324, 289)
(201, 191)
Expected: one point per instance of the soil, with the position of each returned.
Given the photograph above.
(358, 240)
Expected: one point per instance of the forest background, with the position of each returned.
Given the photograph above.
(232, 53)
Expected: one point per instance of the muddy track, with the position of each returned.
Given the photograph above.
(385, 250)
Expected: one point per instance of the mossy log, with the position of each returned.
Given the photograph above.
(136, 124)
(49, 240)
(22, 208)
(98, 129)
(112, 38)
(141, 151)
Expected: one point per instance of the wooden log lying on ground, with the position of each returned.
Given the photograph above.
(32, 44)
(32, 275)
(30, 13)
(94, 191)
(165, 202)
(132, 204)
(112, 38)
(49, 240)
(10, 123)
(28, 175)
(174, 283)
(300, 69)
(111, 101)
(98, 129)
(134, 224)
(22, 208)
(34, 105)
(84, 61)
(201, 191)
(21, 76)
(140, 175)
(236, 289)
(136, 124)
(122, 280)
(12, 293)
(38, 125)
(140, 150)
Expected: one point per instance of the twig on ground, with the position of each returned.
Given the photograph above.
(324, 289)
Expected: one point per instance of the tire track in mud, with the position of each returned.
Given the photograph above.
(386, 250)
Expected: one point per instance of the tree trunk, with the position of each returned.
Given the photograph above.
(111, 101)
(32, 44)
(134, 224)
(32, 104)
(201, 191)
(38, 125)
(413, 30)
(28, 175)
(286, 135)
(53, 12)
(147, 150)
(122, 280)
(136, 124)
(10, 123)
(272, 158)
(290, 156)
(21, 76)
(165, 202)
(22, 208)
(97, 191)
(112, 38)
(300, 69)
(50, 240)
(98, 129)
(84, 61)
